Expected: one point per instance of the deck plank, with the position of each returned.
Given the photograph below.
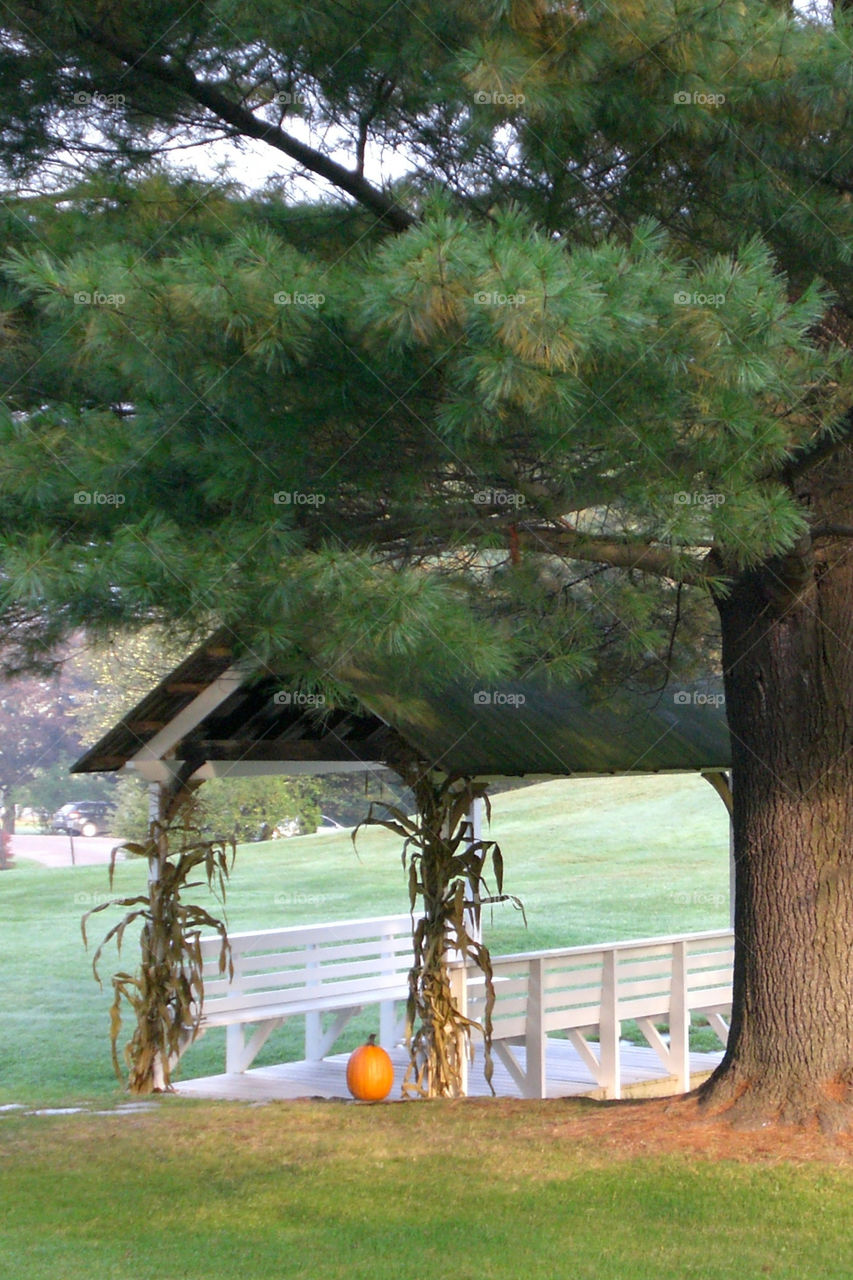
(568, 1076)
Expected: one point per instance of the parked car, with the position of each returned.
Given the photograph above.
(84, 818)
(329, 824)
(287, 827)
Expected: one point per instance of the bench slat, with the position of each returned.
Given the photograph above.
(301, 935)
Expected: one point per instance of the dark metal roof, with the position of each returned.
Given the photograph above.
(528, 729)
(510, 731)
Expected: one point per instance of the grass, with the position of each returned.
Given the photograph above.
(593, 860)
(473, 1191)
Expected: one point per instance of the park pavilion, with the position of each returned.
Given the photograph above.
(558, 1014)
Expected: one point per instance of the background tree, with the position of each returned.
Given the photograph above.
(53, 787)
(36, 732)
(576, 419)
(237, 809)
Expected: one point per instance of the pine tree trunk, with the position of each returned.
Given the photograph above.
(788, 660)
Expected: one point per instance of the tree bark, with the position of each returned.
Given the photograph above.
(9, 811)
(787, 631)
(7, 829)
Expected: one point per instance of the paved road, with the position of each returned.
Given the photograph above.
(55, 851)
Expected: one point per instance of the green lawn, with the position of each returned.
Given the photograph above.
(335, 1191)
(593, 861)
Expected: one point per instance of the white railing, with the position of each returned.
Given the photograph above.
(588, 992)
(584, 992)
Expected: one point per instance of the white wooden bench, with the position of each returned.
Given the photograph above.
(315, 970)
(589, 991)
(586, 992)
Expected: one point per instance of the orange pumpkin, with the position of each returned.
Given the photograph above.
(370, 1072)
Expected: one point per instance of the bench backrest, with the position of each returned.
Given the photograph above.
(365, 961)
(357, 960)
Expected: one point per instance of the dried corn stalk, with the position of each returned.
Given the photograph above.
(446, 872)
(166, 993)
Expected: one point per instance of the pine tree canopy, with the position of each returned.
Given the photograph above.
(565, 362)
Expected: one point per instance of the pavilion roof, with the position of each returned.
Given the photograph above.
(230, 718)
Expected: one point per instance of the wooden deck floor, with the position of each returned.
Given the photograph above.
(568, 1076)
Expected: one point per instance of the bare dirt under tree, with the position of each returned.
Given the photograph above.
(676, 1126)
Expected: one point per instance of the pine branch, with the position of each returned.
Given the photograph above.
(815, 451)
(832, 531)
(645, 556)
(183, 80)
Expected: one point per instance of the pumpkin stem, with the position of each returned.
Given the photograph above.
(371, 1039)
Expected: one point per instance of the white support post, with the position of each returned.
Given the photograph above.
(459, 991)
(679, 1018)
(610, 1027)
(586, 1054)
(387, 1025)
(387, 1014)
(723, 783)
(241, 1053)
(732, 874)
(503, 1051)
(475, 826)
(234, 1048)
(534, 1040)
(155, 802)
(718, 1025)
(313, 1020)
(313, 1037)
(334, 1029)
(656, 1040)
(156, 808)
